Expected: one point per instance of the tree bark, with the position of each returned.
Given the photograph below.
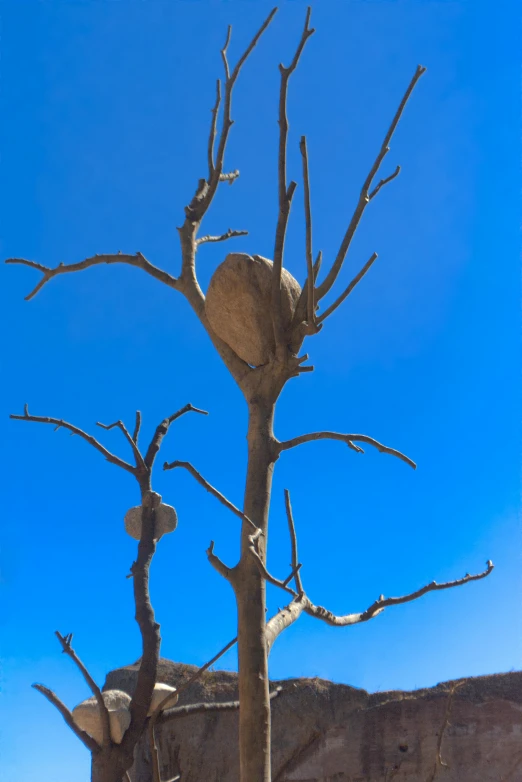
(254, 713)
(105, 767)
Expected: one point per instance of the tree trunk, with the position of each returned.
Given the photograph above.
(254, 713)
(106, 768)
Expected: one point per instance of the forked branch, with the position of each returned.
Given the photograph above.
(366, 194)
(163, 428)
(65, 643)
(59, 423)
(358, 277)
(84, 737)
(199, 205)
(301, 602)
(285, 194)
(121, 426)
(218, 564)
(137, 260)
(349, 439)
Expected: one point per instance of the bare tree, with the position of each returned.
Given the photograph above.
(285, 317)
(112, 760)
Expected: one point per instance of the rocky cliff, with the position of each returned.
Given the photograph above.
(324, 731)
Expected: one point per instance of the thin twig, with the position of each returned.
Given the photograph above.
(199, 205)
(285, 194)
(163, 428)
(84, 737)
(137, 260)
(384, 182)
(230, 234)
(205, 667)
(65, 643)
(59, 423)
(137, 427)
(349, 439)
(121, 426)
(293, 540)
(365, 195)
(206, 485)
(348, 289)
(310, 309)
(268, 576)
(213, 130)
(300, 314)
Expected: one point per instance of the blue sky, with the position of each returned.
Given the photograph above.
(105, 108)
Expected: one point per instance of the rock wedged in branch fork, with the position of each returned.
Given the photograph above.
(87, 715)
(238, 305)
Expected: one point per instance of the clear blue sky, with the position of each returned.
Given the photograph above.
(105, 111)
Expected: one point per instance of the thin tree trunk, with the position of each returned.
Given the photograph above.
(254, 713)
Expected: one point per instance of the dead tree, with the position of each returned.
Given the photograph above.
(257, 317)
(112, 756)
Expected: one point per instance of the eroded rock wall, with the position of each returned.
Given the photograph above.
(324, 731)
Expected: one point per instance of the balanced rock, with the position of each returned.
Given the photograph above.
(87, 715)
(239, 303)
(161, 691)
(166, 521)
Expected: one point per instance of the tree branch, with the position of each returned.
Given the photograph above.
(149, 628)
(65, 643)
(381, 603)
(202, 708)
(218, 565)
(137, 427)
(84, 737)
(310, 282)
(61, 424)
(300, 313)
(206, 485)
(283, 619)
(230, 234)
(213, 130)
(301, 602)
(285, 194)
(137, 260)
(348, 289)
(163, 428)
(349, 439)
(120, 425)
(293, 541)
(253, 539)
(199, 205)
(365, 195)
(230, 177)
(205, 667)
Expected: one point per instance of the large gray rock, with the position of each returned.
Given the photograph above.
(87, 715)
(324, 731)
(239, 304)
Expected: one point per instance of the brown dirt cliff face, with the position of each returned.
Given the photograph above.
(324, 731)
